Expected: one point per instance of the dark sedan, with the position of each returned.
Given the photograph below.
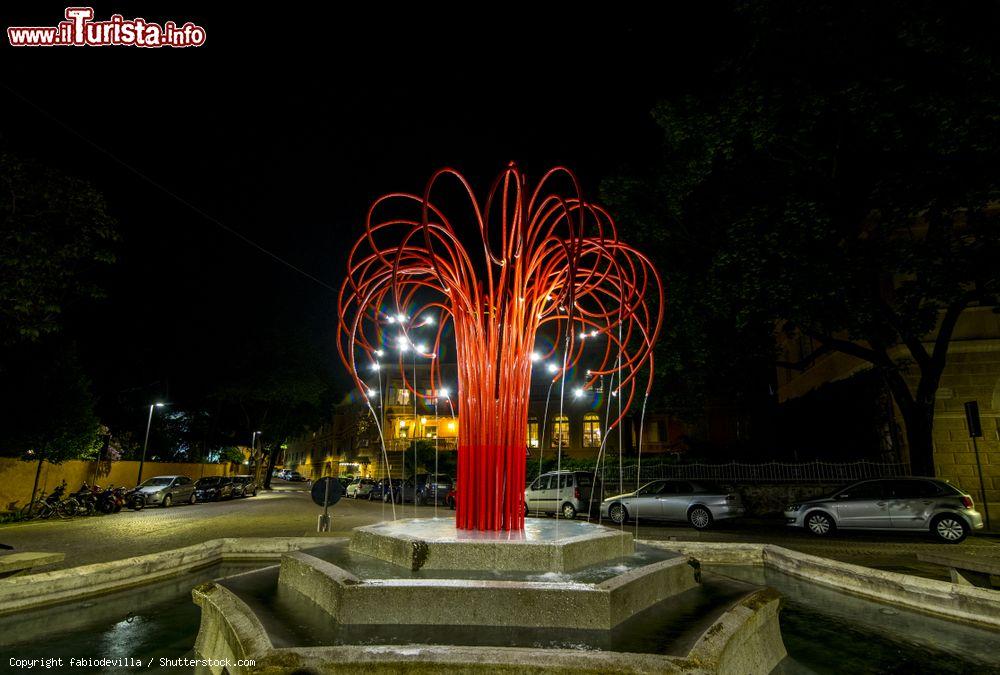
(382, 487)
(213, 488)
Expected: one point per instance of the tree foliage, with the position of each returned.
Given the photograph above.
(54, 232)
(275, 382)
(47, 404)
(839, 179)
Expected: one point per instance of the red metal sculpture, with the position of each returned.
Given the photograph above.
(550, 263)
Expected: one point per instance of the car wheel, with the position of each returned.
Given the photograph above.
(700, 518)
(167, 501)
(253, 493)
(949, 529)
(193, 499)
(820, 524)
(618, 513)
(568, 511)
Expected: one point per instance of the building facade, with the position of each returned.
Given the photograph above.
(567, 421)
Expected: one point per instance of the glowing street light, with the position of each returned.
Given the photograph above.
(535, 356)
(145, 443)
(577, 393)
(553, 368)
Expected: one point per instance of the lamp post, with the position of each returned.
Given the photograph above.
(257, 460)
(145, 443)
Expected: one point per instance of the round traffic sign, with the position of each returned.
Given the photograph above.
(326, 491)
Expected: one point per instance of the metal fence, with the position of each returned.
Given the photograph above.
(767, 472)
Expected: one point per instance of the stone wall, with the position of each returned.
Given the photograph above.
(972, 374)
(17, 477)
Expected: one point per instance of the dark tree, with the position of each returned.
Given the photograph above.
(48, 408)
(55, 232)
(276, 383)
(839, 180)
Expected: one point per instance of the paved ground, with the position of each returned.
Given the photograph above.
(288, 511)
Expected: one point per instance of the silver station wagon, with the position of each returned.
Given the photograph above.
(565, 492)
(914, 504)
(700, 503)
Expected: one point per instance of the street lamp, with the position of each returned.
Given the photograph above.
(253, 453)
(145, 443)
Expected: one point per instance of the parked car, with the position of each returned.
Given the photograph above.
(425, 488)
(244, 485)
(909, 504)
(565, 492)
(359, 487)
(382, 487)
(167, 490)
(700, 503)
(295, 477)
(213, 488)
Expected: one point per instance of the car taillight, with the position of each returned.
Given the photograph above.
(967, 501)
(576, 493)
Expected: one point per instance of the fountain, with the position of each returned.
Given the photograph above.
(491, 589)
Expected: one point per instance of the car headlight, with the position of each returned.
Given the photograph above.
(793, 507)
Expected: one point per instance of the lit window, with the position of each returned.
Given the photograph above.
(560, 432)
(591, 431)
(532, 432)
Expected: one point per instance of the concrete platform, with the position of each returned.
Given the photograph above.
(544, 545)
(349, 599)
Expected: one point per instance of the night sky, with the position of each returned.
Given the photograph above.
(286, 137)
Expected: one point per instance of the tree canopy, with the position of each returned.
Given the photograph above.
(836, 176)
(55, 231)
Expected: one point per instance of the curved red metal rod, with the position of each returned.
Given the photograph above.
(554, 264)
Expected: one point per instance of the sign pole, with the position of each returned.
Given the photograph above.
(976, 430)
(324, 520)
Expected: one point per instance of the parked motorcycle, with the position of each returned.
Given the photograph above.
(47, 506)
(134, 499)
(109, 500)
(80, 503)
(120, 493)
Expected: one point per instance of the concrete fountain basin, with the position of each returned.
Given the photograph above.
(520, 583)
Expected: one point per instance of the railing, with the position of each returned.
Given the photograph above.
(767, 472)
